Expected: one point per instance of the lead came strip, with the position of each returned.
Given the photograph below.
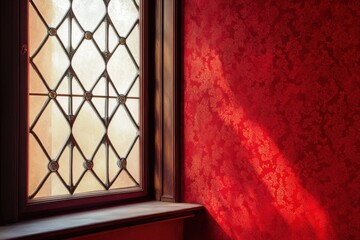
(76, 94)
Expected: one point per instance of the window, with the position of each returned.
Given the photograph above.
(84, 81)
(162, 148)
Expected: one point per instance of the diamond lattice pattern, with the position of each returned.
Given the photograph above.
(84, 96)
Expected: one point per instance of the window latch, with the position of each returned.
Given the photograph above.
(23, 49)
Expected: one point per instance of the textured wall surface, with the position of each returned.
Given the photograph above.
(272, 118)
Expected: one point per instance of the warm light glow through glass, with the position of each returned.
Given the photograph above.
(84, 96)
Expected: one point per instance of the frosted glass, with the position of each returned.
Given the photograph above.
(51, 57)
(89, 13)
(53, 11)
(84, 102)
(123, 14)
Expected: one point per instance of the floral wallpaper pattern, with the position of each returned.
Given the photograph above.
(272, 118)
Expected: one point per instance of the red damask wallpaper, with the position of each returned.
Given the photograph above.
(272, 118)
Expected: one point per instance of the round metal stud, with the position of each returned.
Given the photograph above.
(106, 140)
(122, 163)
(70, 117)
(88, 96)
(106, 55)
(53, 166)
(121, 99)
(52, 94)
(52, 31)
(122, 40)
(88, 165)
(71, 142)
(88, 35)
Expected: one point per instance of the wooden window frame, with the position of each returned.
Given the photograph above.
(51, 205)
(164, 107)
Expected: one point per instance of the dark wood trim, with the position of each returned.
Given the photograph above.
(79, 224)
(158, 99)
(167, 118)
(10, 50)
(23, 107)
(170, 123)
(144, 93)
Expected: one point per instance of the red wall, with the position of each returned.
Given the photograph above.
(162, 230)
(272, 118)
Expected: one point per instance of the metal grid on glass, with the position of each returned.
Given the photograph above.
(97, 78)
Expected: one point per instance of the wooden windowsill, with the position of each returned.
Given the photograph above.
(77, 224)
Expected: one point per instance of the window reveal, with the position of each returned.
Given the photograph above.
(84, 96)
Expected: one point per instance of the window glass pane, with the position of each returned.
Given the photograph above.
(84, 98)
